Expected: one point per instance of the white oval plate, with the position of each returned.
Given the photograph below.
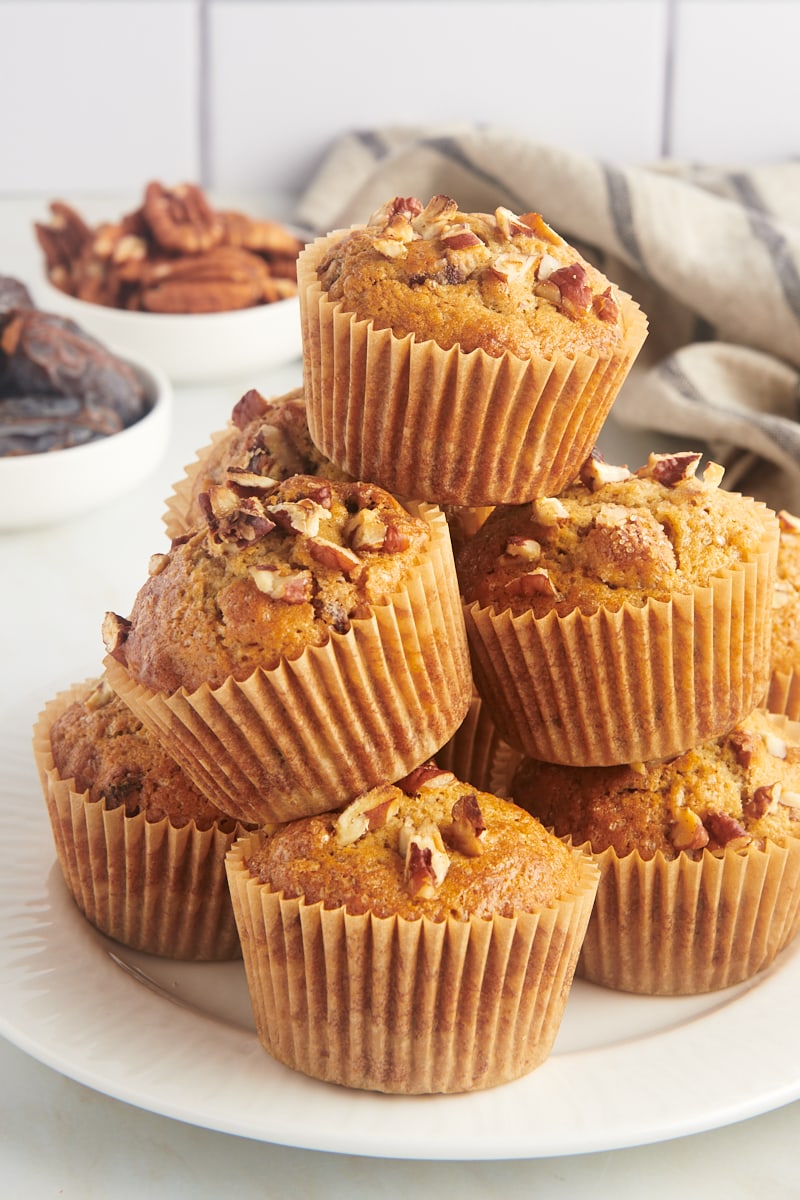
(178, 1039)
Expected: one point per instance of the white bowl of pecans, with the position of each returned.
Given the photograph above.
(80, 424)
(207, 294)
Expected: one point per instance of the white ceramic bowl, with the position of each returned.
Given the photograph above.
(190, 347)
(56, 485)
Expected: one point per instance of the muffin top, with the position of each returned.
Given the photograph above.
(496, 282)
(613, 537)
(428, 846)
(786, 598)
(263, 437)
(278, 567)
(734, 792)
(98, 742)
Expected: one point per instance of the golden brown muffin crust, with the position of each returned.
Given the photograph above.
(278, 569)
(613, 537)
(442, 850)
(98, 742)
(267, 437)
(491, 281)
(735, 791)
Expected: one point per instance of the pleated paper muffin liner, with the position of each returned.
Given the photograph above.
(477, 754)
(783, 694)
(313, 732)
(175, 517)
(631, 685)
(486, 430)
(392, 1005)
(679, 927)
(149, 885)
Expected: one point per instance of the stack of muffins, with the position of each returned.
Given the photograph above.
(352, 701)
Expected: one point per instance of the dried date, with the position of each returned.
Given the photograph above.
(59, 387)
(50, 355)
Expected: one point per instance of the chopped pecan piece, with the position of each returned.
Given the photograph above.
(524, 547)
(509, 224)
(764, 800)
(332, 555)
(725, 831)
(595, 472)
(428, 775)
(371, 810)
(537, 223)
(605, 306)
(576, 295)
(366, 530)
(687, 831)
(468, 827)
(301, 516)
(532, 583)
(293, 587)
(115, 630)
(548, 510)
(743, 743)
(670, 469)
(426, 861)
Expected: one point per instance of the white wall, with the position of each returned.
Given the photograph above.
(245, 95)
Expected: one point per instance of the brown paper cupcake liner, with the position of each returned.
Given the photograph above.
(630, 685)
(486, 430)
(393, 1005)
(783, 694)
(680, 927)
(312, 733)
(477, 754)
(175, 517)
(149, 885)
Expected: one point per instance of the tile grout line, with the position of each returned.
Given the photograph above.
(668, 81)
(203, 97)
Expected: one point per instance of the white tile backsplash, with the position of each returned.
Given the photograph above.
(97, 95)
(736, 92)
(246, 95)
(286, 77)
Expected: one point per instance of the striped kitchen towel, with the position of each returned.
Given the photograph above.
(712, 255)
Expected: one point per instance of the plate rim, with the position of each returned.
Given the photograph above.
(571, 1104)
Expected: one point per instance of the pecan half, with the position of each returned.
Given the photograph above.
(181, 218)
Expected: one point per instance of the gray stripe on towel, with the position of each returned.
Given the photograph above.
(780, 430)
(449, 147)
(619, 201)
(770, 236)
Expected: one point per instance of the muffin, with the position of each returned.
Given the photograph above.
(477, 752)
(627, 618)
(487, 335)
(784, 684)
(421, 940)
(141, 849)
(699, 856)
(310, 638)
(263, 437)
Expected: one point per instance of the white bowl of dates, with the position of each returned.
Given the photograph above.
(79, 424)
(208, 294)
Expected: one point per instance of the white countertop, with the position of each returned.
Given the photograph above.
(59, 1137)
